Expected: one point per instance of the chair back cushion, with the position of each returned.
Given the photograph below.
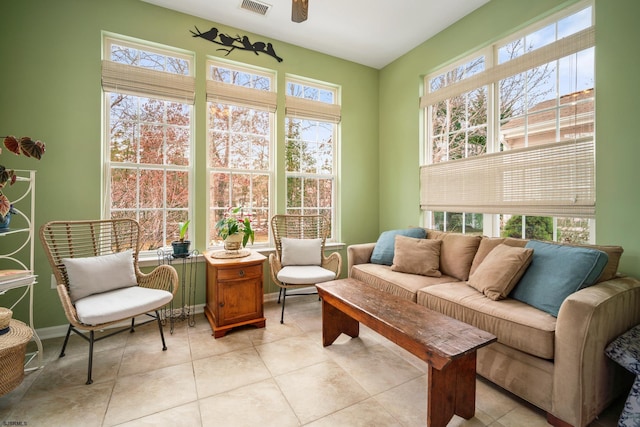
(93, 275)
(301, 251)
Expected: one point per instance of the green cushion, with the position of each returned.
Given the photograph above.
(557, 271)
(384, 250)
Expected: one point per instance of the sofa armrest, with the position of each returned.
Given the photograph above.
(358, 254)
(584, 380)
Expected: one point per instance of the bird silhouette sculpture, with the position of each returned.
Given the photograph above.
(231, 43)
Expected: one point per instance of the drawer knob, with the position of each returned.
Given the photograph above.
(221, 304)
(241, 273)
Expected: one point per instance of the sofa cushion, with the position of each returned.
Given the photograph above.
(614, 252)
(500, 271)
(488, 243)
(403, 285)
(556, 271)
(515, 323)
(457, 253)
(384, 250)
(417, 256)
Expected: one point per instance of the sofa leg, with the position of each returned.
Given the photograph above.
(557, 422)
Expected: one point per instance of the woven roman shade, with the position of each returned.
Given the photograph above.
(242, 96)
(555, 179)
(132, 80)
(302, 108)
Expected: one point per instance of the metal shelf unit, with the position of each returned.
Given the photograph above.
(187, 269)
(17, 242)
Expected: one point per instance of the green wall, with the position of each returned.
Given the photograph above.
(617, 65)
(50, 90)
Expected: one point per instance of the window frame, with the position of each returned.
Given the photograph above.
(317, 113)
(238, 97)
(493, 143)
(185, 93)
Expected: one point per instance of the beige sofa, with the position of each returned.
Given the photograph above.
(556, 363)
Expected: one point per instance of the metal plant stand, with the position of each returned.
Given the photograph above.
(187, 270)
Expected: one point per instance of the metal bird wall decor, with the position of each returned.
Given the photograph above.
(237, 42)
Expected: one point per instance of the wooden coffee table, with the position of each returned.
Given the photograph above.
(446, 344)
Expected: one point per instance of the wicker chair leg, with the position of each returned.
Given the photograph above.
(284, 299)
(91, 340)
(66, 340)
(279, 295)
(164, 345)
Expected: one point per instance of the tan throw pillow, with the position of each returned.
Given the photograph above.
(489, 243)
(501, 270)
(417, 256)
(614, 252)
(456, 254)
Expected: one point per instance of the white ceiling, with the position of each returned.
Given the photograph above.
(369, 32)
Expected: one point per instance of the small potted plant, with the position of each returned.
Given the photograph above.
(181, 247)
(6, 220)
(27, 147)
(235, 229)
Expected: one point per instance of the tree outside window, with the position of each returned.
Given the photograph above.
(149, 144)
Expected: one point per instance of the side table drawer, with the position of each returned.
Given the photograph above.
(240, 273)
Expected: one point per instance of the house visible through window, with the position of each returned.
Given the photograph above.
(510, 146)
(149, 94)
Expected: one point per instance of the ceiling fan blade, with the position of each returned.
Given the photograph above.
(299, 10)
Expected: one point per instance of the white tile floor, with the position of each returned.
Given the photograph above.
(276, 376)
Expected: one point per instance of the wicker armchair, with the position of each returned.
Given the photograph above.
(93, 300)
(291, 274)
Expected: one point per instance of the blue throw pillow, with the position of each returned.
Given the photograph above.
(384, 250)
(557, 271)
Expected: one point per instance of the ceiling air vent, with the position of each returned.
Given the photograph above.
(255, 6)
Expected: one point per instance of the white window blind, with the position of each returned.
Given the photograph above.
(555, 179)
(554, 51)
(132, 80)
(242, 96)
(302, 108)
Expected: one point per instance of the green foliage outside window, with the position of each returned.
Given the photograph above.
(536, 227)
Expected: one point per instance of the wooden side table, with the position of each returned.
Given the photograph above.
(234, 292)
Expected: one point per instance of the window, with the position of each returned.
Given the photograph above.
(311, 134)
(510, 145)
(148, 94)
(240, 116)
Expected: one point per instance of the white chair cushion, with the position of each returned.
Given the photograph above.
(92, 275)
(305, 275)
(120, 304)
(301, 251)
